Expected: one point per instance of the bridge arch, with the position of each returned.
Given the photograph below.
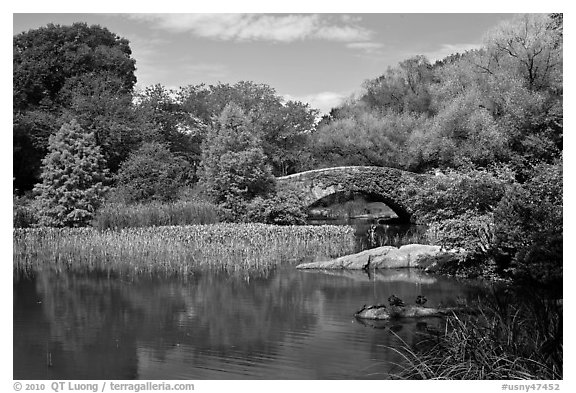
(382, 184)
(403, 216)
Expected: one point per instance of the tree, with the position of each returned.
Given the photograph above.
(73, 177)
(365, 137)
(522, 69)
(152, 173)
(234, 167)
(51, 66)
(402, 88)
(284, 126)
(45, 58)
(178, 129)
(31, 130)
(286, 133)
(96, 101)
(530, 46)
(463, 133)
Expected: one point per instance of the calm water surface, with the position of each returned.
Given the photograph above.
(288, 325)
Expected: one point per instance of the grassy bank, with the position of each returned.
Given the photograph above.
(512, 338)
(175, 250)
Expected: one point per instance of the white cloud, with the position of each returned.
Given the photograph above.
(323, 101)
(447, 50)
(250, 27)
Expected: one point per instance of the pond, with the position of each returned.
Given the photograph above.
(289, 324)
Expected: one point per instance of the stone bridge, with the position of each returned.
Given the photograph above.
(380, 184)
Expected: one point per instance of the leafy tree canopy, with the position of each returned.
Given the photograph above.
(152, 173)
(64, 72)
(284, 126)
(234, 166)
(46, 59)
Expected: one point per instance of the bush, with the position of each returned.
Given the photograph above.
(473, 232)
(451, 195)
(458, 207)
(152, 173)
(280, 209)
(24, 214)
(529, 228)
(441, 263)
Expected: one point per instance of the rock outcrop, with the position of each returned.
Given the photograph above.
(385, 257)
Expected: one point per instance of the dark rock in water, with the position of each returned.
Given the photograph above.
(381, 312)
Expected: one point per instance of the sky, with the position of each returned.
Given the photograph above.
(317, 58)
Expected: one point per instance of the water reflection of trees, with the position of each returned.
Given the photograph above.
(92, 327)
(96, 328)
(77, 329)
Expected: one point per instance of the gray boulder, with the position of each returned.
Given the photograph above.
(385, 257)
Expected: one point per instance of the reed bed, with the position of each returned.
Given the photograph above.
(176, 250)
(119, 215)
(512, 341)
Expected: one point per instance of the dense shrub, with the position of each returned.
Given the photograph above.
(24, 214)
(281, 209)
(458, 208)
(473, 232)
(504, 226)
(529, 228)
(152, 173)
(451, 195)
(442, 263)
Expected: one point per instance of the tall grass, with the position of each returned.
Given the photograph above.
(120, 215)
(511, 339)
(175, 250)
(395, 236)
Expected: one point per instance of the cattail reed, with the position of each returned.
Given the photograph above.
(176, 250)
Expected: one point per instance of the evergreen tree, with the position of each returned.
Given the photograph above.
(73, 176)
(234, 168)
